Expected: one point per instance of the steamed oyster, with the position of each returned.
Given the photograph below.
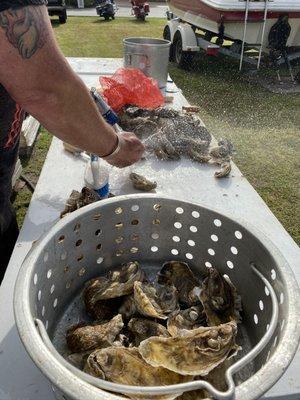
(155, 301)
(182, 321)
(179, 274)
(196, 353)
(116, 283)
(126, 366)
(142, 328)
(81, 337)
(220, 300)
(142, 183)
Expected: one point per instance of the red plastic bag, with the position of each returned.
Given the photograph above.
(131, 86)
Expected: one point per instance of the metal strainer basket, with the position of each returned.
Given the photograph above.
(152, 230)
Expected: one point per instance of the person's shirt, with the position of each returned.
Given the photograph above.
(11, 117)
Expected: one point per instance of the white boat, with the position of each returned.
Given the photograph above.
(209, 15)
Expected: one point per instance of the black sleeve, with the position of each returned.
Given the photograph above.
(5, 4)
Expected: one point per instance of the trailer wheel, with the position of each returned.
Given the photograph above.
(167, 36)
(183, 58)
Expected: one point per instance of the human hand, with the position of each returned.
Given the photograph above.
(130, 151)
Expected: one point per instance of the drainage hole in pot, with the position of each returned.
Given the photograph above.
(195, 214)
(261, 305)
(214, 238)
(52, 288)
(189, 256)
(55, 303)
(179, 210)
(154, 249)
(178, 225)
(208, 264)
(191, 243)
(49, 273)
(238, 235)
(217, 223)
(155, 236)
(211, 252)
(175, 252)
(230, 264)
(135, 208)
(193, 229)
(99, 260)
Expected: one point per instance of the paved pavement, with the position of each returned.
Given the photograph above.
(157, 10)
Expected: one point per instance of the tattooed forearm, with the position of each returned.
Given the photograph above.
(24, 29)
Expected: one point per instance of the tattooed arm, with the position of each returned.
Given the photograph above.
(38, 77)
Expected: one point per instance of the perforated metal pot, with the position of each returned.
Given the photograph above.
(152, 230)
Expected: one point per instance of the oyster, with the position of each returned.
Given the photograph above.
(155, 300)
(101, 310)
(126, 366)
(182, 321)
(82, 337)
(180, 275)
(116, 283)
(224, 171)
(142, 328)
(141, 183)
(128, 307)
(223, 151)
(79, 359)
(79, 199)
(220, 300)
(196, 353)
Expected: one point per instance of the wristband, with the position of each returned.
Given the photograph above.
(115, 151)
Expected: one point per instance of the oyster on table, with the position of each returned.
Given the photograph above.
(142, 328)
(126, 366)
(116, 283)
(83, 337)
(155, 300)
(219, 298)
(79, 199)
(142, 183)
(179, 274)
(196, 353)
(182, 321)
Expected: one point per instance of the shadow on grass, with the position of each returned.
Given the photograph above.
(101, 20)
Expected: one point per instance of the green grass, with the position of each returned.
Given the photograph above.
(264, 127)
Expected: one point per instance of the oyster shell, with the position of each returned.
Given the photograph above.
(142, 183)
(220, 300)
(224, 171)
(128, 307)
(180, 275)
(81, 337)
(126, 366)
(182, 321)
(196, 353)
(79, 359)
(142, 328)
(116, 283)
(101, 310)
(155, 300)
(78, 200)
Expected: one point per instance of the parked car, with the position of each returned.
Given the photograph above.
(58, 7)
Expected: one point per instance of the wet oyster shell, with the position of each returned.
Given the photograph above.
(142, 183)
(220, 300)
(78, 200)
(102, 310)
(79, 359)
(182, 321)
(155, 301)
(116, 283)
(196, 353)
(180, 275)
(81, 337)
(142, 328)
(126, 366)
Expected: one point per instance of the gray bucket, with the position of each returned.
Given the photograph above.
(151, 56)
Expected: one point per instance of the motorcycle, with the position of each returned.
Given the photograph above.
(140, 9)
(106, 9)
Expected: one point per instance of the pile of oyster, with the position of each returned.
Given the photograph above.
(169, 135)
(173, 329)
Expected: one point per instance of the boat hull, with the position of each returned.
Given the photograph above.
(201, 15)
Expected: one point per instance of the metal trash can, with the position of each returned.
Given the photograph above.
(154, 229)
(151, 56)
